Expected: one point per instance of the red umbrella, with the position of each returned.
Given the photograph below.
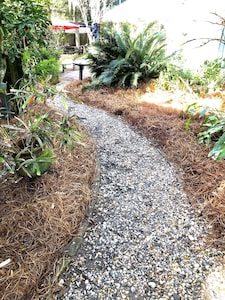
(58, 24)
(65, 27)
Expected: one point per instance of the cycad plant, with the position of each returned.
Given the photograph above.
(126, 58)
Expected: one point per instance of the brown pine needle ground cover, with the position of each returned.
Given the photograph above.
(203, 178)
(39, 217)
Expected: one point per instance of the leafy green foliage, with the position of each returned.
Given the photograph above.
(26, 144)
(192, 110)
(125, 58)
(48, 67)
(176, 76)
(24, 25)
(218, 151)
(41, 64)
(210, 72)
(28, 163)
(215, 133)
(26, 46)
(29, 91)
(68, 134)
(214, 129)
(61, 9)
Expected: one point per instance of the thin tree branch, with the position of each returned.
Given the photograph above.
(207, 41)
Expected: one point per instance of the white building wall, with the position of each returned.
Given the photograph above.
(183, 19)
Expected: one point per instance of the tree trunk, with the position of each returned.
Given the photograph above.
(2, 67)
(2, 61)
(14, 72)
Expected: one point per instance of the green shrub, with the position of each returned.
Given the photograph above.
(47, 53)
(41, 64)
(48, 68)
(210, 73)
(176, 75)
(125, 58)
(208, 77)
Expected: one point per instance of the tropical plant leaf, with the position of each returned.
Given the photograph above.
(218, 151)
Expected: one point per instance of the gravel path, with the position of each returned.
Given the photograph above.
(144, 241)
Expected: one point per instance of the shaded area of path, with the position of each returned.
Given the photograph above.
(145, 241)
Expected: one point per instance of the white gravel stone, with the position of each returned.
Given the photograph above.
(152, 284)
(145, 230)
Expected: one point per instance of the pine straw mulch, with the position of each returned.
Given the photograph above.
(39, 217)
(203, 178)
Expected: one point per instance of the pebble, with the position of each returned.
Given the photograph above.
(176, 297)
(152, 284)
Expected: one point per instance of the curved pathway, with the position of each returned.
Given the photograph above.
(144, 241)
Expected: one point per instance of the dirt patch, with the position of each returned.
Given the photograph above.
(203, 178)
(39, 217)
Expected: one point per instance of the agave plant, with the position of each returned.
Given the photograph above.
(125, 58)
(25, 147)
(26, 144)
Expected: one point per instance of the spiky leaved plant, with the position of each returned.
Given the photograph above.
(126, 58)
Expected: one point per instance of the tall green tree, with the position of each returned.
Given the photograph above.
(23, 24)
